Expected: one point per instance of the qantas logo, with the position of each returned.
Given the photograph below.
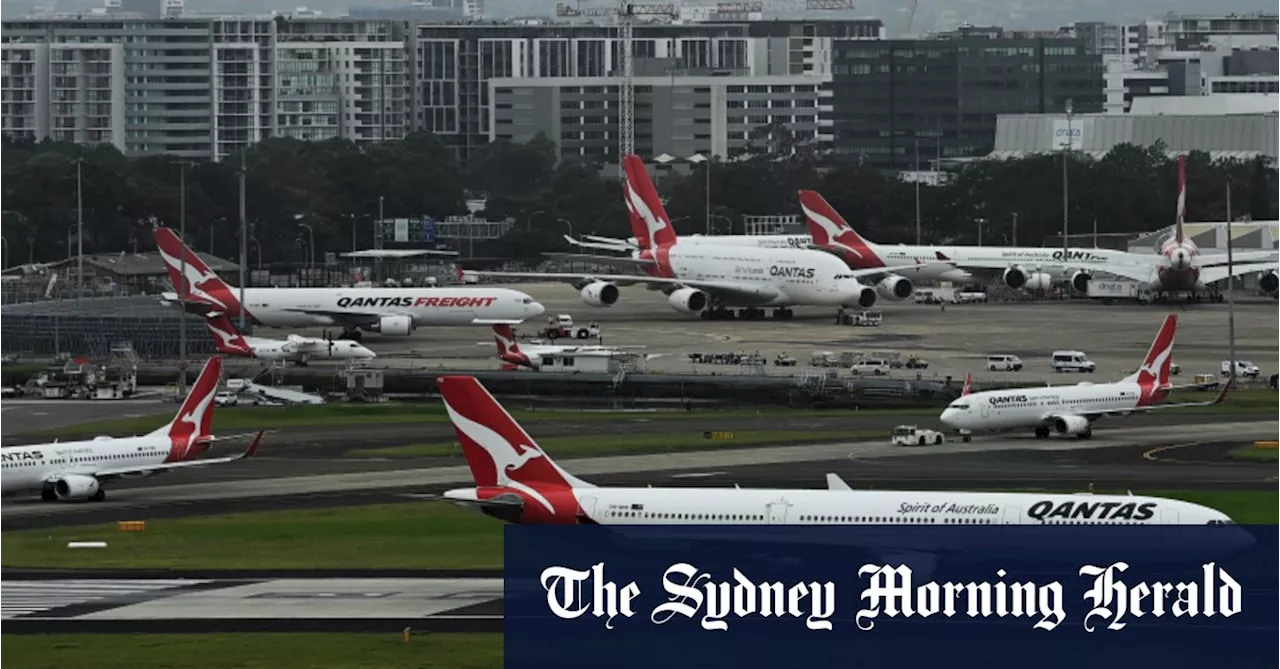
(194, 418)
(200, 283)
(1001, 400)
(826, 222)
(507, 458)
(653, 224)
(791, 272)
(508, 350)
(830, 229)
(22, 457)
(410, 302)
(1153, 375)
(1047, 510)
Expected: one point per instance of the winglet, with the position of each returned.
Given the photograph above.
(834, 482)
(1222, 395)
(253, 447)
(968, 384)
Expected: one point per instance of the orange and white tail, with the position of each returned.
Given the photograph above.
(649, 221)
(968, 384)
(498, 451)
(194, 420)
(227, 339)
(1153, 376)
(830, 231)
(508, 349)
(204, 290)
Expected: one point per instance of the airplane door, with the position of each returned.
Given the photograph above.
(776, 512)
(986, 409)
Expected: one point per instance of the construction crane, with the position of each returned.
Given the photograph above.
(625, 12)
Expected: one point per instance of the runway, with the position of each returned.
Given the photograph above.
(1112, 459)
(178, 605)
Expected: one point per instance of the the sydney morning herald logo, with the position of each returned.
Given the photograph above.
(890, 591)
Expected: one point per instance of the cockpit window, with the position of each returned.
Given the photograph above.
(527, 300)
(961, 406)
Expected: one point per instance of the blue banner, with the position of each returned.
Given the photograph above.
(428, 229)
(883, 596)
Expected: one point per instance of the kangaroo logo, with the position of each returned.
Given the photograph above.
(830, 228)
(193, 422)
(507, 458)
(508, 350)
(652, 222)
(1153, 376)
(231, 342)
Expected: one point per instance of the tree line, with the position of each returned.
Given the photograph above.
(333, 191)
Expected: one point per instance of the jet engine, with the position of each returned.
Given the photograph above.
(688, 300)
(867, 298)
(76, 487)
(1268, 282)
(1015, 277)
(1071, 424)
(1080, 281)
(599, 294)
(895, 287)
(1039, 281)
(395, 325)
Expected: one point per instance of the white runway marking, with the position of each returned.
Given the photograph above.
(25, 597)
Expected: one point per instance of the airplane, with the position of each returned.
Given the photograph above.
(1178, 268)
(77, 470)
(390, 311)
(517, 482)
(511, 353)
(711, 279)
(1072, 410)
(229, 341)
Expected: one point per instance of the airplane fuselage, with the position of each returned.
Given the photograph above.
(1016, 408)
(29, 468)
(784, 277)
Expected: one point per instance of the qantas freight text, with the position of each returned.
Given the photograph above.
(459, 302)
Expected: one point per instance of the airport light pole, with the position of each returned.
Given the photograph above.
(1231, 292)
(182, 288)
(1014, 241)
(917, 180)
(311, 246)
(1066, 156)
(695, 159)
(79, 227)
(567, 223)
(244, 236)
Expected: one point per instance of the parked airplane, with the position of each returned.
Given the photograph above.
(229, 341)
(1179, 267)
(517, 482)
(77, 470)
(710, 278)
(511, 353)
(1071, 410)
(390, 311)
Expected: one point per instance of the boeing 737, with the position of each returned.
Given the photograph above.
(77, 470)
(390, 311)
(229, 341)
(1072, 410)
(711, 279)
(516, 481)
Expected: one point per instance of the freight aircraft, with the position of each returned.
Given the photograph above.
(229, 341)
(1072, 410)
(708, 278)
(77, 470)
(390, 311)
(516, 481)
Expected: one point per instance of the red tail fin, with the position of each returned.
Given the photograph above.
(1182, 198)
(195, 419)
(968, 384)
(508, 348)
(226, 337)
(1153, 376)
(830, 231)
(649, 220)
(203, 289)
(498, 450)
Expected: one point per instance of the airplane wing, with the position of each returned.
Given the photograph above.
(1222, 395)
(735, 293)
(601, 243)
(1238, 257)
(1136, 271)
(614, 261)
(1215, 273)
(125, 471)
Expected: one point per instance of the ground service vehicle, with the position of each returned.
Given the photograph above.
(1243, 368)
(562, 327)
(910, 435)
(1072, 361)
(1004, 363)
(872, 367)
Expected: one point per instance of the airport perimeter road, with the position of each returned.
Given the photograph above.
(857, 460)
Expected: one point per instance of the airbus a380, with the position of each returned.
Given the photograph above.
(713, 279)
(229, 341)
(517, 482)
(1071, 410)
(390, 311)
(76, 470)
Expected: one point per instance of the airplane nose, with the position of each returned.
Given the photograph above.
(535, 310)
(948, 417)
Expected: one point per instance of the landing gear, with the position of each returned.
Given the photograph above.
(782, 314)
(1042, 433)
(98, 496)
(1088, 433)
(718, 313)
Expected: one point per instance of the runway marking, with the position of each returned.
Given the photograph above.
(1151, 456)
(27, 597)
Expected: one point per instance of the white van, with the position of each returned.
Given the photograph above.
(1072, 361)
(1004, 363)
(872, 366)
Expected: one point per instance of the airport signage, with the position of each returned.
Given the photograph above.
(1069, 135)
(1047, 510)
(791, 272)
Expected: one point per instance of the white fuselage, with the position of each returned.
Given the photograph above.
(783, 277)
(307, 347)
(734, 506)
(928, 266)
(1016, 408)
(298, 307)
(29, 468)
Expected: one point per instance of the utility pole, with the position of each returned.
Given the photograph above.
(79, 228)
(1014, 241)
(707, 165)
(1231, 292)
(917, 180)
(182, 289)
(1066, 156)
(244, 236)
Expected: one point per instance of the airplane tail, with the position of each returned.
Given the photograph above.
(830, 231)
(498, 451)
(968, 384)
(1153, 376)
(508, 349)
(203, 289)
(649, 220)
(226, 338)
(1182, 199)
(189, 430)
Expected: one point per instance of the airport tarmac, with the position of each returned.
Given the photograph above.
(985, 462)
(954, 341)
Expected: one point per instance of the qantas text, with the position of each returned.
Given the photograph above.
(345, 302)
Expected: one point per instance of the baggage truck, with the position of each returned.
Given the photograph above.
(1111, 291)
